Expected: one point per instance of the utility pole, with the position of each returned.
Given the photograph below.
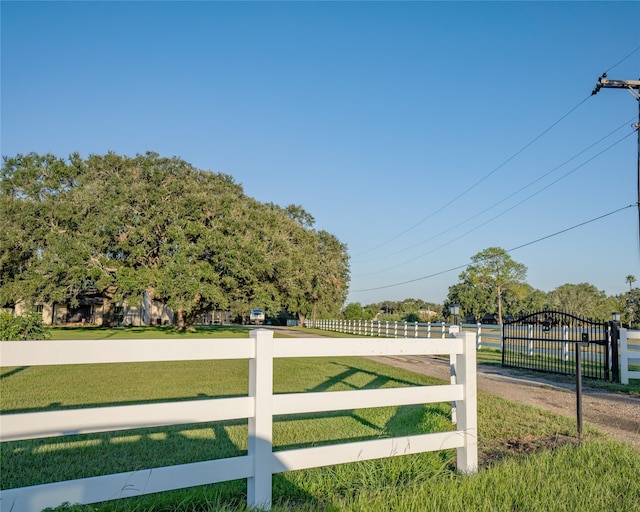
(633, 86)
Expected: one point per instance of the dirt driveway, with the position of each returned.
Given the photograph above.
(618, 414)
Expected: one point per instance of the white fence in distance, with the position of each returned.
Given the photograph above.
(629, 355)
(486, 336)
(258, 407)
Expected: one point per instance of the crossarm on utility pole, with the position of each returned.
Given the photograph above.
(631, 85)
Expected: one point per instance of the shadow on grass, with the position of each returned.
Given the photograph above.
(81, 456)
(12, 372)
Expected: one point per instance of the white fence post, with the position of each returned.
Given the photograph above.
(454, 331)
(260, 424)
(624, 360)
(467, 408)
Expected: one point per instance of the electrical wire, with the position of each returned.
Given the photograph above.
(481, 180)
(476, 215)
(622, 60)
(473, 186)
(475, 228)
(508, 251)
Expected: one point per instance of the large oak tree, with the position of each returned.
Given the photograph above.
(191, 239)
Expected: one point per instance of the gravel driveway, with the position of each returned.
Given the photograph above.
(618, 414)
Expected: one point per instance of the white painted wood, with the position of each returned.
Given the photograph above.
(259, 407)
(317, 456)
(467, 408)
(14, 427)
(261, 423)
(302, 403)
(335, 347)
(37, 353)
(124, 485)
(628, 355)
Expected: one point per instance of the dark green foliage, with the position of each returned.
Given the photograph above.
(407, 310)
(27, 326)
(189, 238)
(631, 308)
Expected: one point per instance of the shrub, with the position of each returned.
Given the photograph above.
(27, 326)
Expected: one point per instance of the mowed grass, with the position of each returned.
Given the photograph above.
(148, 332)
(530, 459)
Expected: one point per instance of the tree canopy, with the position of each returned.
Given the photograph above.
(495, 285)
(492, 275)
(192, 239)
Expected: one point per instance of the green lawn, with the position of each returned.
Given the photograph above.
(530, 459)
(105, 333)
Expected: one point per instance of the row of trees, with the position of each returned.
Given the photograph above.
(493, 287)
(407, 310)
(119, 226)
(495, 284)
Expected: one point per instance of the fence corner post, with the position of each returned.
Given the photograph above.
(260, 442)
(467, 408)
(624, 357)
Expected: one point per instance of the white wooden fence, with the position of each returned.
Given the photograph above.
(629, 355)
(486, 336)
(259, 407)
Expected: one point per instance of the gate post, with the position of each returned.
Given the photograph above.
(615, 340)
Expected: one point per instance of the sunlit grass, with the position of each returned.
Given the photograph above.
(530, 458)
(147, 332)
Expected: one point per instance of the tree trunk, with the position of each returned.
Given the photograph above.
(181, 322)
(301, 319)
(107, 313)
(313, 321)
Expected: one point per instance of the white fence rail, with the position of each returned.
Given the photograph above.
(629, 355)
(486, 336)
(259, 407)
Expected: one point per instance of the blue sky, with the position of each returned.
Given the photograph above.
(419, 133)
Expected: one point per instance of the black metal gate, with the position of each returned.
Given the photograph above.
(546, 341)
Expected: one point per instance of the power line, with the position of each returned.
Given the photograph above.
(475, 228)
(622, 60)
(572, 227)
(485, 177)
(382, 244)
(475, 216)
(510, 250)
